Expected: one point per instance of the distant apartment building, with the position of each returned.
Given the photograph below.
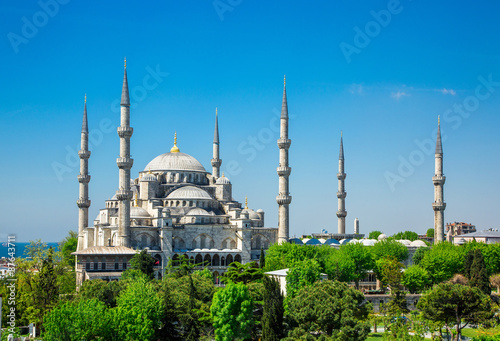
(457, 229)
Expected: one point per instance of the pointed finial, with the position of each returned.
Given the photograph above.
(341, 133)
(125, 62)
(136, 201)
(284, 80)
(175, 149)
(215, 111)
(222, 174)
(85, 98)
(149, 170)
(246, 203)
(439, 120)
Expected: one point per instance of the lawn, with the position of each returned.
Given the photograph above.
(375, 337)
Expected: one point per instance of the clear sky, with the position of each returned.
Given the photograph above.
(380, 71)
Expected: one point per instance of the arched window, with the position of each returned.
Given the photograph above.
(229, 259)
(175, 260)
(215, 260)
(87, 263)
(116, 263)
(144, 241)
(103, 265)
(198, 260)
(207, 260)
(237, 258)
(233, 244)
(202, 242)
(222, 261)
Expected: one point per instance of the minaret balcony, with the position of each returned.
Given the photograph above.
(83, 179)
(341, 176)
(124, 194)
(124, 162)
(284, 171)
(438, 179)
(341, 195)
(216, 162)
(341, 214)
(125, 132)
(438, 206)
(83, 203)
(283, 199)
(284, 143)
(84, 154)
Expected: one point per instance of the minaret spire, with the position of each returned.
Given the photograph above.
(216, 161)
(83, 201)
(341, 194)
(438, 179)
(283, 199)
(124, 162)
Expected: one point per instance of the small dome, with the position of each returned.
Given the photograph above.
(331, 241)
(356, 241)
(222, 181)
(382, 236)
(313, 241)
(260, 210)
(139, 212)
(198, 211)
(344, 241)
(322, 240)
(368, 242)
(189, 192)
(251, 213)
(149, 177)
(405, 242)
(418, 243)
(295, 241)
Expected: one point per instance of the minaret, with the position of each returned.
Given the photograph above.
(283, 198)
(216, 162)
(124, 162)
(83, 201)
(341, 194)
(438, 179)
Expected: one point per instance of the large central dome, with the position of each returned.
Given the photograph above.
(176, 161)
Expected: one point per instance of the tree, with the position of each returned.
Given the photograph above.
(67, 246)
(419, 255)
(301, 274)
(47, 291)
(331, 308)
(144, 262)
(442, 261)
(105, 292)
(341, 267)
(262, 259)
(272, 317)
(282, 256)
(245, 273)
(362, 258)
(495, 281)
(231, 312)
(478, 275)
(454, 304)
(409, 235)
(389, 248)
(139, 312)
(415, 279)
(429, 233)
(390, 274)
(374, 234)
(82, 320)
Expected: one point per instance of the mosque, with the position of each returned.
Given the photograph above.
(174, 208)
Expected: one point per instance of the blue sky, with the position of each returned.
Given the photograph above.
(380, 71)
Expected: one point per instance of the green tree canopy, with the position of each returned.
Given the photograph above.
(374, 234)
(341, 267)
(409, 235)
(362, 257)
(245, 273)
(455, 304)
(332, 308)
(272, 317)
(67, 246)
(419, 254)
(144, 262)
(282, 256)
(301, 274)
(389, 248)
(430, 233)
(416, 279)
(442, 261)
(231, 313)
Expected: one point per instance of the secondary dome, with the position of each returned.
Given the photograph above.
(189, 192)
(176, 161)
(139, 212)
(198, 211)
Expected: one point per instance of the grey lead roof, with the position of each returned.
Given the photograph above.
(439, 147)
(85, 124)
(125, 97)
(284, 105)
(341, 153)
